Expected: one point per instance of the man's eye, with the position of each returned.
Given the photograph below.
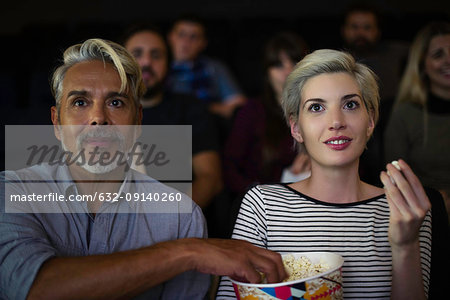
(315, 107)
(194, 37)
(79, 102)
(116, 102)
(156, 55)
(136, 53)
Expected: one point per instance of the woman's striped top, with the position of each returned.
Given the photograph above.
(281, 219)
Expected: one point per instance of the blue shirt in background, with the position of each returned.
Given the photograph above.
(205, 78)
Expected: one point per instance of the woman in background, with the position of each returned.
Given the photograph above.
(260, 146)
(384, 235)
(419, 127)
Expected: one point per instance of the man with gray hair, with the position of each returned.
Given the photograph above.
(108, 248)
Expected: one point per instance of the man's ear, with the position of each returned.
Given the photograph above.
(295, 131)
(56, 127)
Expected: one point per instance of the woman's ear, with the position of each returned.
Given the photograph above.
(295, 131)
(371, 126)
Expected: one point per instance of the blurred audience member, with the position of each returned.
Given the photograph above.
(193, 73)
(260, 146)
(161, 107)
(361, 34)
(419, 128)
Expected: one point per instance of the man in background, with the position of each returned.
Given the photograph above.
(361, 34)
(193, 73)
(166, 107)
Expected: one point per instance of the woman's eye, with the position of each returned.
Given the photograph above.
(437, 54)
(315, 107)
(351, 105)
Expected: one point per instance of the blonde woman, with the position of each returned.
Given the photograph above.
(384, 235)
(419, 127)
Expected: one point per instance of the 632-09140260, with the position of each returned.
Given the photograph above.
(143, 197)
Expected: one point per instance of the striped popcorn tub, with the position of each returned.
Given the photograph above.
(312, 275)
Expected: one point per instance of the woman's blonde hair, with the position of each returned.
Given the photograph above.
(327, 61)
(414, 85)
(109, 52)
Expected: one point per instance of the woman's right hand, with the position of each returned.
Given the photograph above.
(408, 204)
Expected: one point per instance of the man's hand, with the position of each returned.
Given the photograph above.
(237, 259)
(129, 273)
(226, 109)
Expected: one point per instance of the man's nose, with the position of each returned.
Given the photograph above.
(360, 31)
(98, 115)
(146, 61)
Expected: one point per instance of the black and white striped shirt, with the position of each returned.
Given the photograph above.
(282, 219)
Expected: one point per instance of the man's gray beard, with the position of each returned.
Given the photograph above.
(98, 168)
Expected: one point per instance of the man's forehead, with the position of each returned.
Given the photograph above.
(92, 65)
(188, 25)
(361, 17)
(92, 74)
(144, 39)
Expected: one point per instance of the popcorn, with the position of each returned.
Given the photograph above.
(395, 164)
(302, 267)
(321, 274)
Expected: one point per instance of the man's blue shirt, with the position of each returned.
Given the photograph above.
(29, 238)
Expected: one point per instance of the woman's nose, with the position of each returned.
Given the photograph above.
(337, 120)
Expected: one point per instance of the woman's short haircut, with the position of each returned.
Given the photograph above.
(109, 52)
(327, 61)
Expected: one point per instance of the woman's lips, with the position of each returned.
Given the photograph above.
(338, 143)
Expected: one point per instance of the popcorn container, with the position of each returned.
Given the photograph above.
(324, 285)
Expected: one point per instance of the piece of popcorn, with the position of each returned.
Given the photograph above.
(395, 164)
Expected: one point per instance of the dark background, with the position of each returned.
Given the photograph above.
(34, 34)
